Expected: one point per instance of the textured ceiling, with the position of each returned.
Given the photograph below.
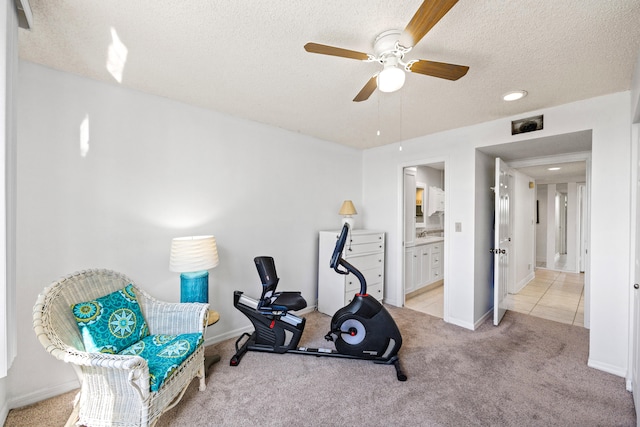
(246, 58)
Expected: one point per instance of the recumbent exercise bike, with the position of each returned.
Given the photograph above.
(363, 329)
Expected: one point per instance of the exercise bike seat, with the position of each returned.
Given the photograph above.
(270, 300)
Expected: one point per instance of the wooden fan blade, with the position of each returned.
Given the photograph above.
(335, 51)
(427, 15)
(367, 90)
(439, 69)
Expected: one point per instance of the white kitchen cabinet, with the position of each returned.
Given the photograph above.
(423, 265)
(436, 262)
(411, 269)
(424, 252)
(364, 250)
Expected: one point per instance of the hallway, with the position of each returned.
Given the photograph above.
(551, 295)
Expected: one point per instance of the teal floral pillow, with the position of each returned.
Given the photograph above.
(164, 354)
(111, 323)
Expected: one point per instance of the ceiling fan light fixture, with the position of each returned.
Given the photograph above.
(390, 79)
(514, 95)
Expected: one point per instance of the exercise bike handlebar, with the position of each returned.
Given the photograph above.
(337, 260)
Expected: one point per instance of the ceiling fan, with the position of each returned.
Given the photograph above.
(389, 52)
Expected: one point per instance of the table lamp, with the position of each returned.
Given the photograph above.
(346, 210)
(192, 257)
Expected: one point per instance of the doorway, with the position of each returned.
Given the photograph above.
(546, 168)
(424, 234)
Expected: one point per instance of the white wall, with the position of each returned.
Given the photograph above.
(609, 118)
(523, 231)
(541, 226)
(484, 200)
(572, 227)
(552, 221)
(157, 169)
(635, 93)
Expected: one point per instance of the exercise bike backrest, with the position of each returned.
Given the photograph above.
(337, 260)
(270, 300)
(268, 277)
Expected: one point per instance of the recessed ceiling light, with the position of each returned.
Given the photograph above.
(553, 169)
(514, 95)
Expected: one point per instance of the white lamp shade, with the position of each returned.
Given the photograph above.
(390, 79)
(195, 253)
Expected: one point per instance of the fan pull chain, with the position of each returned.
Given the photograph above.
(401, 102)
(378, 133)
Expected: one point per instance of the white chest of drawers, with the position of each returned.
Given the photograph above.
(364, 250)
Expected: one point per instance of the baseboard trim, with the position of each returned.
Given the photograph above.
(522, 283)
(611, 369)
(4, 412)
(460, 323)
(42, 394)
(392, 302)
(482, 319)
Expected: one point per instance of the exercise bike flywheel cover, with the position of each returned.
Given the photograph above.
(347, 327)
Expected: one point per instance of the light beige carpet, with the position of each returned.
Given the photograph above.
(526, 372)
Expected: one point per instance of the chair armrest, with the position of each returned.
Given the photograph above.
(173, 318)
(117, 369)
(99, 360)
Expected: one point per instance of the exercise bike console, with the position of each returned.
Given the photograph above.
(363, 329)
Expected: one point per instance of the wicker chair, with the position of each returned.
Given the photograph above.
(114, 388)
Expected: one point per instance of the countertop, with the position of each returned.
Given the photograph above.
(427, 239)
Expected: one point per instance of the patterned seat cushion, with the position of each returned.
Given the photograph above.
(111, 323)
(164, 354)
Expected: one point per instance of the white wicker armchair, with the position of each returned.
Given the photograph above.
(115, 388)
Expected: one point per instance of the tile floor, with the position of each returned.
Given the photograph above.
(552, 295)
(430, 302)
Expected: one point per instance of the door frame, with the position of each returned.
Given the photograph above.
(400, 295)
(633, 371)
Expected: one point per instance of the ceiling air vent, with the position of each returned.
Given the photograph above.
(526, 125)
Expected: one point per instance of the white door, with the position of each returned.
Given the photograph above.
(635, 378)
(502, 241)
(409, 202)
(409, 206)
